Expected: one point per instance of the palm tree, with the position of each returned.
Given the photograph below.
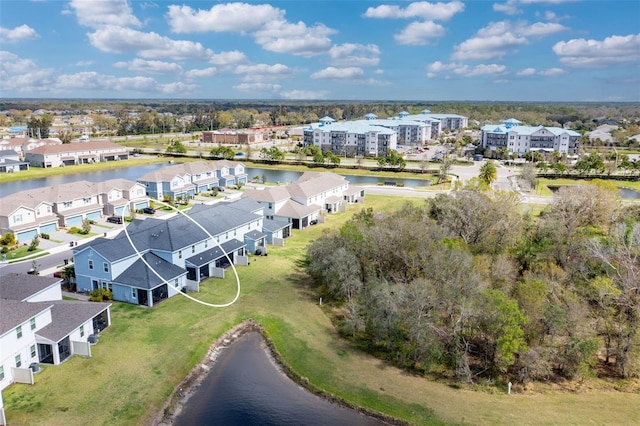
(488, 172)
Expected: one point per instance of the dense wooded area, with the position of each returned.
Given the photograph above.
(466, 286)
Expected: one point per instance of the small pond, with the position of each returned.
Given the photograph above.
(625, 193)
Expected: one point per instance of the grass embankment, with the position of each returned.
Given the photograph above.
(147, 352)
(39, 172)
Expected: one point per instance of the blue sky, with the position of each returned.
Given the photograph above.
(515, 50)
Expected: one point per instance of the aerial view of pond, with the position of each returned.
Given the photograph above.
(245, 387)
(624, 193)
(136, 172)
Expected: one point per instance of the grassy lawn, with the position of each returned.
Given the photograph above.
(23, 252)
(146, 352)
(543, 185)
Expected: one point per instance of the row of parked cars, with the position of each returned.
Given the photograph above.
(119, 219)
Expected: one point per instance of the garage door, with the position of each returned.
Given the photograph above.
(94, 215)
(142, 205)
(74, 221)
(119, 211)
(48, 229)
(26, 236)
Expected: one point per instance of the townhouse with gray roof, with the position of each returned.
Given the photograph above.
(37, 326)
(301, 203)
(76, 153)
(10, 161)
(43, 210)
(153, 259)
(183, 181)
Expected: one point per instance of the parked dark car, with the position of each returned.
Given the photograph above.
(115, 219)
(149, 210)
(221, 188)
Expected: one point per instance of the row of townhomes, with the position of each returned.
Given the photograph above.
(154, 258)
(181, 181)
(20, 153)
(44, 210)
(374, 137)
(38, 327)
(519, 139)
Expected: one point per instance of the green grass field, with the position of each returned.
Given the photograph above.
(147, 352)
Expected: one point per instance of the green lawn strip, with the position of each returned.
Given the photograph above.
(23, 254)
(544, 183)
(147, 352)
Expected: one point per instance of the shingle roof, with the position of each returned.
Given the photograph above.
(272, 194)
(139, 275)
(297, 210)
(271, 225)
(313, 183)
(254, 235)
(68, 315)
(215, 253)
(72, 148)
(22, 286)
(15, 313)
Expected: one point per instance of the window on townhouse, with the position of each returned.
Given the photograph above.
(32, 351)
(90, 264)
(19, 331)
(193, 248)
(82, 331)
(206, 243)
(1, 372)
(175, 283)
(179, 254)
(32, 322)
(18, 361)
(133, 293)
(17, 218)
(105, 267)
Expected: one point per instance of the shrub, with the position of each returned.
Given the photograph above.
(74, 230)
(8, 239)
(100, 295)
(44, 236)
(34, 244)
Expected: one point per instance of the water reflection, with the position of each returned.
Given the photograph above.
(245, 387)
(625, 193)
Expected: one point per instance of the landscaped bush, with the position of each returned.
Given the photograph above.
(8, 239)
(100, 295)
(44, 236)
(74, 230)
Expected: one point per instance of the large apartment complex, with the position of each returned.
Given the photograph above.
(519, 139)
(374, 137)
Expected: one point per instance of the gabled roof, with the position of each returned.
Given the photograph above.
(272, 194)
(16, 286)
(139, 275)
(68, 315)
(297, 210)
(271, 225)
(15, 312)
(314, 183)
(254, 235)
(72, 148)
(215, 253)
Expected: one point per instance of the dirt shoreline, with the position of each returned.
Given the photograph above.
(180, 395)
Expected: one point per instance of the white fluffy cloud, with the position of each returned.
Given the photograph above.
(497, 38)
(95, 14)
(424, 10)
(548, 72)
(355, 54)
(231, 17)
(147, 45)
(258, 87)
(228, 58)
(265, 23)
(512, 7)
(418, 33)
(263, 72)
(154, 67)
(334, 73)
(595, 53)
(304, 94)
(13, 35)
(464, 70)
(201, 73)
(295, 39)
